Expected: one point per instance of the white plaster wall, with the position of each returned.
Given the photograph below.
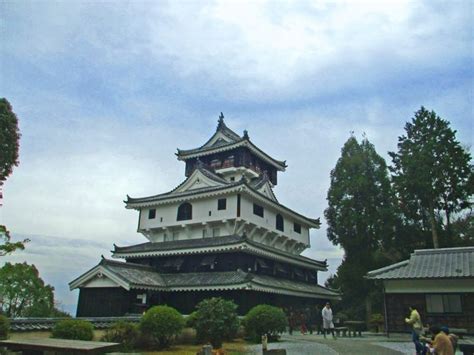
(201, 208)
(165, 227)
(101, 282)
(269, 220)
(426, 286)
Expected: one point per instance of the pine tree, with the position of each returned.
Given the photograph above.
(360, 217)
(432, 174)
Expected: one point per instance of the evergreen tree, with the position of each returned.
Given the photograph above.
(9, 145)
(432, 174)
(9, 139)
(360, 218)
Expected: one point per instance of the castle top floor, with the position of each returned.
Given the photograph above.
(231, 156)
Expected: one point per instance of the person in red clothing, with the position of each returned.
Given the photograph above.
(302, 320)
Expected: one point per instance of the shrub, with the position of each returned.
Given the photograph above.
(376, 321)
(122, 332)
(4, 327)
(161, 324)
(265, 319)
(73, 329)
(191, 320)
(216, 321)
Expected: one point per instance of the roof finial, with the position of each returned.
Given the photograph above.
(246, 134)
(221, 120)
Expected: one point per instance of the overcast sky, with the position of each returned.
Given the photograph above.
(105, 93)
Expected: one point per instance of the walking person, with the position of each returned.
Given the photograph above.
(328, 325)
(302, 319)
(417, 326)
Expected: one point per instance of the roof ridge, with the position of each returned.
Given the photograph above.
(389, 267)
(105, 261)
(443, 250)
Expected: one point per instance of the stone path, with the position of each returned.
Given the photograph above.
(316, 344)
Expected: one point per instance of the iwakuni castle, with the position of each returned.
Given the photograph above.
(220, 233)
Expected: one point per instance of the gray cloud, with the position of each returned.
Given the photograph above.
(105, 94)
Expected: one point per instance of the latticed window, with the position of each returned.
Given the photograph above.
(185, 211)
(279, 222)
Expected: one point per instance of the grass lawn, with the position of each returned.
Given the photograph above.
(236, 347)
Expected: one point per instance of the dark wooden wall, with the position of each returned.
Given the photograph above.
(229, 262)
(109, 302)
(105, 302)
(234, 158)
(397, 310)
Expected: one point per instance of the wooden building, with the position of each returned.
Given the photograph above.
(439, 283)
(221, 232)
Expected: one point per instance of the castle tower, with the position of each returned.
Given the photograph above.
(220, 232)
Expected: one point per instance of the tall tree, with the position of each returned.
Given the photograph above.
(360, 216)
(9, 145)
(9, 139)
(432, 174)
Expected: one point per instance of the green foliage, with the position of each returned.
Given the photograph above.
(24, 293)
(376, 321)
(361, 219)
(7, 247)
(4, 327)
(73, 329)
(216, 321)
(432, 173)
(191, 320)
(9, 139)
(265, 319)
(125, 333)
(162, 324)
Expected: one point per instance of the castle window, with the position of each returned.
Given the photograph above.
(258, 210)
(185, 211)
(297, 228)
(216, 232)
(152, 213)
(222, 204)
(279, 222)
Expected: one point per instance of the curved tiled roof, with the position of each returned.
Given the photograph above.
(222, 145)
(218, 189)
(145, 277)
(205, 243)
(430, 264)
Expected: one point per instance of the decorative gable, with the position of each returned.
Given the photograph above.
(199, 180)
(266, 190)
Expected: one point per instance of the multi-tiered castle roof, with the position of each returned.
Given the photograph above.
(222, 230)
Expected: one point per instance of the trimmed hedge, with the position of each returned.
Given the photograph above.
(74, 329)
(265, 319)
(161, 324)
(4, 327)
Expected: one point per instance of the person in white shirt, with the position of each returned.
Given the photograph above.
(328, 325)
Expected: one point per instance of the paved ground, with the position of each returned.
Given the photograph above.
(316, 344)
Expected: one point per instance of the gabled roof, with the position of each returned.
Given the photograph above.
(242, 185)
(218, 245)
(263, 185)
(132, 276)
(445, 263)
(208, 182)
(225, 139)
